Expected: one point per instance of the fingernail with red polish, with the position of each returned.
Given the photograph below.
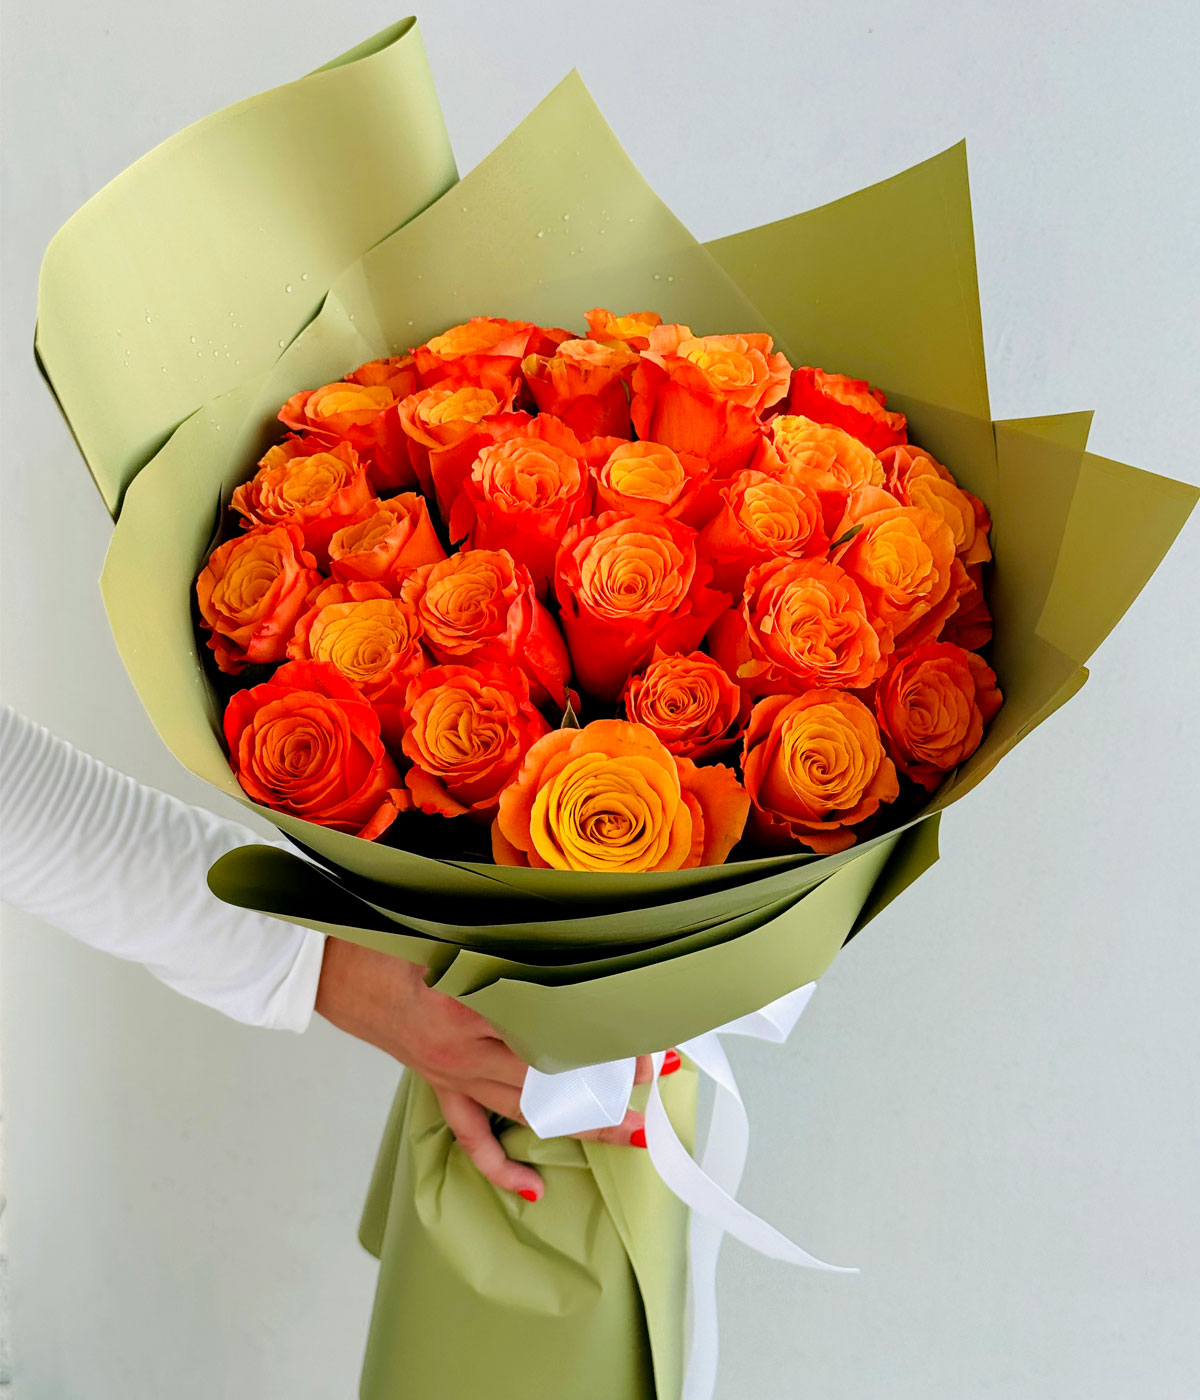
(528, 1195)
(637, 1138)
(671, 1062)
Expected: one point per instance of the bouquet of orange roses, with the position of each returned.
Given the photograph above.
(451, 539)
(647, 662)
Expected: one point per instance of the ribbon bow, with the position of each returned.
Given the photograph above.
(597, 1096)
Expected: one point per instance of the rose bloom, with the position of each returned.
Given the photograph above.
(835, 464)
(649, 478)
(485, 351)
(251, 592)
(584, 384)
(308, 744)
(372, 639)
(762, 517)
(395, 538)
(917, 479)
(632, 330)
(903, 559)
(677, 408)
(523, 493)
(397, 373)
(318, 486)
(932, 707)
(803, 624)
(689, 703)
(624, 584)
(445, 427)
(815, 768)
(466, 730)
(741, 369)
(610, 797)
(849, 404)
(480, 605)
(365, 416)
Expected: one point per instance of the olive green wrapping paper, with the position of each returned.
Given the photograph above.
(580, 1294)
(206, 285)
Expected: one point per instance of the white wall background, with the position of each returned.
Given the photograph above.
(993, 1105)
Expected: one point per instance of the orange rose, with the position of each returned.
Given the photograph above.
(382, 547)
(917, 479)
(632, 330)
(251, 592)
(849, 404)
(689, 702)
(762, 517)
(624, 584)
(480, 606)
(741, 369)
(466, 730)
(397, 373)
(648, 478)
(365, 416)
(815, 768)
(445, 427)
(903, 560)
(307, 743)
(932, 707)
(610, 797)
(803, 625)
(319, 487)
(370, 638)
(584, 384)
(523, 493)
(484, 350)
(835, 464)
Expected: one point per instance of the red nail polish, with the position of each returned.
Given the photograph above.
(528, 1195)
(671, 1062)
(637, 1138)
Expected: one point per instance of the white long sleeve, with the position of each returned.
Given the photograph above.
(123, 868)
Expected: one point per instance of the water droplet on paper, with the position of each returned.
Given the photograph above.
(566, 218)
(541, 233)
(658, 276)
(288, 288)
(163, 368)
(192, 338)
(149, 318)
(410, 323)
(670, 279)
(118, 332)
(304, 277)
(216, 354)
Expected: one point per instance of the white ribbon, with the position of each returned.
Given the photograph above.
(598, 1096)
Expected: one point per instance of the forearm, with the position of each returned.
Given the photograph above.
(123, 867)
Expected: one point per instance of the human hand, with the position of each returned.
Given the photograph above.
(384, 1001)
